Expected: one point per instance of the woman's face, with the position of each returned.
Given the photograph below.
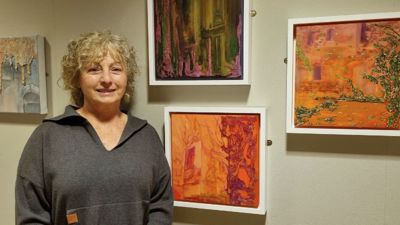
(104, 83)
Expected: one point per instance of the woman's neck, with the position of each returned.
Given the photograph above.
(100, 113)
(108, 123)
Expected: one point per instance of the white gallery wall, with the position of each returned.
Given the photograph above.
(312, 179)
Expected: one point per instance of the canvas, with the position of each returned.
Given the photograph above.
(198, 42)
(345, 74)
(215, 158)
(22, 75)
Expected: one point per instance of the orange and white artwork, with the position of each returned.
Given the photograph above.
(215, 158)
(346, 74)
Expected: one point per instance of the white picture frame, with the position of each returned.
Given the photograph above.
(202, 60)
(173, 117)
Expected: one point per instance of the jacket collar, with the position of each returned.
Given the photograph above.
(70, 116)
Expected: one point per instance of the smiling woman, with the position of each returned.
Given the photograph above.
(103, 83)
(87, 52)
(95, 162)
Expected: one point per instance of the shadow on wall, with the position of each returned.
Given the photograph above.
(21, 118)
(344, 144)
(49, 78)
(200, 94)
(211, 217)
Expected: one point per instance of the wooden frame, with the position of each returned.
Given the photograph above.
(22, 75)
(187, 50)
(342, 74)
(212, 168)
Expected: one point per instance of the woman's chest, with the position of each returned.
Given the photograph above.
(82, 170)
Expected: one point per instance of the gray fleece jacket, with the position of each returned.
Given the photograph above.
(66, 176)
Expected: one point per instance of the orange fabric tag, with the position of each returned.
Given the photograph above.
(72, 218)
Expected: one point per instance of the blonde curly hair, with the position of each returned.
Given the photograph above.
(91, 48)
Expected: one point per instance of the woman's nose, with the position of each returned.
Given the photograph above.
(106, 76)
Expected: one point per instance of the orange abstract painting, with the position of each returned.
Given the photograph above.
(347, 75)
(215, 158)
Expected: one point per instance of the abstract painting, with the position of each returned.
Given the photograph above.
(198, 41)
(215, 158)
(22, 75)
(344, 75)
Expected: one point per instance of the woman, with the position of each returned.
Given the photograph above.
(95, 164)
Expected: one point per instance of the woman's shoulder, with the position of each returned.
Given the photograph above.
(136, 124)
(53, 124)
(69, 116)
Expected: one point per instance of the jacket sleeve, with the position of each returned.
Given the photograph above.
(161, 202)
(31, 204)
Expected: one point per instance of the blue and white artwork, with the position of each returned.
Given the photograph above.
(22, 75)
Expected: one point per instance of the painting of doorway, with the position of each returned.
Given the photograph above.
(198, 41)
(217, 157)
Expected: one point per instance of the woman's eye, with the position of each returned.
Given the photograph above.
(116, 69)
(94, 70)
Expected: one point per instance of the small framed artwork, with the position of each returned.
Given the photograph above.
(198, 42)
(22, 75)
(344, 75)
(217, 157)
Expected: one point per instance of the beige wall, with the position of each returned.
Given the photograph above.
(312, 179)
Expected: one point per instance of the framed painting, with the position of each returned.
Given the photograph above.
(344, 75)
(22, 75)
(217, 157)
(198, 42)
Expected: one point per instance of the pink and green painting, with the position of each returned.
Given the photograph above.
(347, 75)
(198, 39)
(215, 158)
